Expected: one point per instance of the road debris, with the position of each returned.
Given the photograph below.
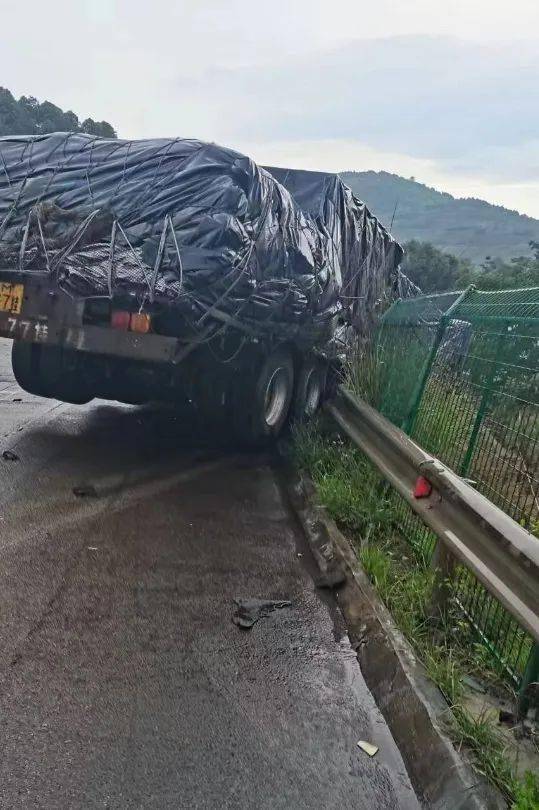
(85, 491)
(9, 455)
(360, 639)
(368, 747)
(249, 611)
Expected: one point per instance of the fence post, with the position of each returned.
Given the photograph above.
(380, 345)
(531, 676)
(480, 415)
(408, 423)
(481, 411)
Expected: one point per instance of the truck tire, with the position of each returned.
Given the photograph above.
(39, 370)
(25, 363)
(262, 399)
(310, 383)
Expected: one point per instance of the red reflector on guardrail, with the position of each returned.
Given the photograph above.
(422, 488)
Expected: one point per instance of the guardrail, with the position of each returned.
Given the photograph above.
(501, 554)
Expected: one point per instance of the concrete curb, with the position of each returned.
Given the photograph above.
(411, 704)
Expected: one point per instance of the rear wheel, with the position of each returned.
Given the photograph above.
(262, 399)
(25, 362)
(44, 372)
(310, 385)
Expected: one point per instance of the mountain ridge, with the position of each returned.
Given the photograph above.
(467, 227)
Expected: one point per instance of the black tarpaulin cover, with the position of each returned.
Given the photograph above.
(192, 225)
(363, 255)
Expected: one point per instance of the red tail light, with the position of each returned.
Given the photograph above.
(120, 319)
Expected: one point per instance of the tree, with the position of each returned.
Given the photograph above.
(50, 118)
(432, 269)
(522, 271)
(435, 271)
(28, 116)
(101, 128)
(15, 119)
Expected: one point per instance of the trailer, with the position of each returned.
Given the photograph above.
(178, 270)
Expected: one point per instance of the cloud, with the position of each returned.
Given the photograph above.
(387, 79)
(426, 97)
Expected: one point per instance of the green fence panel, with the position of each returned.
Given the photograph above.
(404, 342)
(460, 373)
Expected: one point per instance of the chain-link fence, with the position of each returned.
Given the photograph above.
(459, 373)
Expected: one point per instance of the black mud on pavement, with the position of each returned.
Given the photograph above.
(124, 682)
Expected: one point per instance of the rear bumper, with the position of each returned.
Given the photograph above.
(49, 316)
(101, 340)
(91, 339)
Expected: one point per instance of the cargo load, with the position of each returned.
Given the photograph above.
(197, 241)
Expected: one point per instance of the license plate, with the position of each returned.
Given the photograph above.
(11, 296)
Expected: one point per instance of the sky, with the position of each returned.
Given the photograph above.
(447, 92)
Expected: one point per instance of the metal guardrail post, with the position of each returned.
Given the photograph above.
(443, 564)
(530, 677)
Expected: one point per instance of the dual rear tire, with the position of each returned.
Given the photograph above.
(266, 397)
(309, 389)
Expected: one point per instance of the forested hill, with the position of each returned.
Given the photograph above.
(469, 228)
(28, 116)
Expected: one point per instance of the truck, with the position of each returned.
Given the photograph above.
(181, 271)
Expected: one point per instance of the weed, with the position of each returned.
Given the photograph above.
(346, 484)
(527, 793)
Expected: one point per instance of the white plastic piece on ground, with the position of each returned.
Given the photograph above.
(368, 747)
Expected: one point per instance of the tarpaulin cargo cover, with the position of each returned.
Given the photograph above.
(193, 226)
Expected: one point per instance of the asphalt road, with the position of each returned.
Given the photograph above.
(124, 682)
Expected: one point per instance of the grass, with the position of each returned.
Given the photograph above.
(340, 476)
(353, 494)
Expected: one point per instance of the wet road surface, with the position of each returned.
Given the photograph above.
(124, 682)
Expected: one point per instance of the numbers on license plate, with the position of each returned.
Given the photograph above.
(11, 297)
(28, 330)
